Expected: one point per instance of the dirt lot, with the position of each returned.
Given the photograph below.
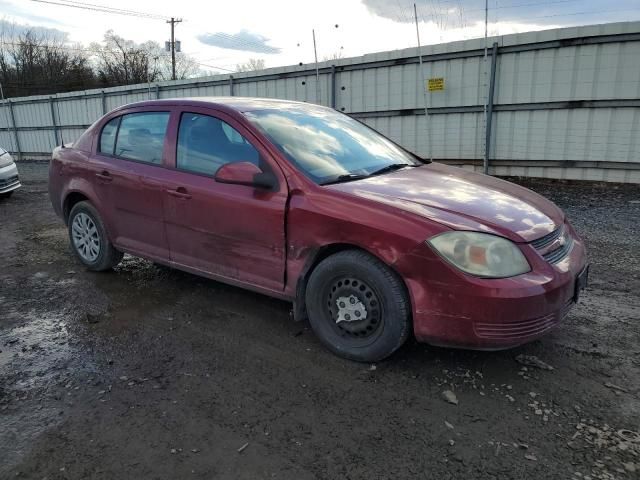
(146, 372)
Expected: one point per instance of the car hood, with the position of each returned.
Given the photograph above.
(462, 200)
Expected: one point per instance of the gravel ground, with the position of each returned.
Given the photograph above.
(147, 372)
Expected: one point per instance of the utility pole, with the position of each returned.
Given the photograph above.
(172, 45)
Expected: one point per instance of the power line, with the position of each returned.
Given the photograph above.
(522, 5)
(114, 9)
(587, 13)
(217, 68)
(74, 49)
(101, 8)
(233, 41)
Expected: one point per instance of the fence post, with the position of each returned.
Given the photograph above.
(15, 130)
(333, 87)
(492, 84)
(231, 85)
(103, 99)
(54, 123)
(157, 91)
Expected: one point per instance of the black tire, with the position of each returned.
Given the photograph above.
(6, 194)
(374, 292)
(107, 257)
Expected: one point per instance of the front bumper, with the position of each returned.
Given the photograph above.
(9, 179)
(454, 309)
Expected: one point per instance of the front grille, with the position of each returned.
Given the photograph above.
(559, 253)
(518, 330)
(560, 236)
(7, 182)
(547, 239)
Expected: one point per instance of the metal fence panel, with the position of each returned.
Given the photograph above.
(567, 101)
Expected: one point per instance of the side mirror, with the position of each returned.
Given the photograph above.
(245, 173)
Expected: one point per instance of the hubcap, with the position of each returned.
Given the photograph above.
(85, 237)
(350, 309)
(354, 308)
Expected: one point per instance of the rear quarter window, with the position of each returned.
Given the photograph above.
(108, 136)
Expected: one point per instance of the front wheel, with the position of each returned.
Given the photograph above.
(358, 307)
(89, 240)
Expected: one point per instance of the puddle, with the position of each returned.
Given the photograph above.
(35, 350)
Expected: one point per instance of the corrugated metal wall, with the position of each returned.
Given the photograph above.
(566, 102)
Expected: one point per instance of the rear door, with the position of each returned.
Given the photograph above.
(234, 231)
(130, 171)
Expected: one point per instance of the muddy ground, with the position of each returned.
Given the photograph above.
(147, 372)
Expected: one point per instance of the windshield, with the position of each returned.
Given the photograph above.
(329, 146)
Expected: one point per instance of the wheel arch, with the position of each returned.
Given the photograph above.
(70, 201)
(314, 259)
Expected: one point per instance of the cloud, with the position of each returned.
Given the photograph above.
(244, 40)
(11, 31)
(449, 14)
(12, 10)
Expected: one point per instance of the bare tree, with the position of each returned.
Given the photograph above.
(40, 61)
(337, 55)
(124, 62)
(186, 66)
(253, 65)
(36, 62)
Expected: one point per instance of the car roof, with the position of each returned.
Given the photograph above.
(239, 104)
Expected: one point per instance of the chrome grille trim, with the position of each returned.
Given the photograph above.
(559, 253)
(547, 239)
(560, 235)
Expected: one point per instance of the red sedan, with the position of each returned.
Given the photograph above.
(301, 202)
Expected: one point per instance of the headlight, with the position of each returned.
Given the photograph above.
(5, 159)
(481, 254)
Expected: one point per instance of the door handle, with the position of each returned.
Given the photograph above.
(179, 192)
(104, 176)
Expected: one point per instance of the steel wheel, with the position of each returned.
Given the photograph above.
(86, 239)
(354, 308)
(357, 306)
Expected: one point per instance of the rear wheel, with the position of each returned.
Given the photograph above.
(89, 239)
(358, 307)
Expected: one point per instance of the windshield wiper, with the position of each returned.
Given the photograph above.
(347, 177)
(391, 168)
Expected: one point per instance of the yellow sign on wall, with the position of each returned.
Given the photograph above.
(435, 84)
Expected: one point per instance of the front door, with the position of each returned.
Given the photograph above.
(232, 231)
(129, 176)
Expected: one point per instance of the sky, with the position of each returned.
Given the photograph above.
(221, 35)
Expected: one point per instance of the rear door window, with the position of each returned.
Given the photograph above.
(141, 136)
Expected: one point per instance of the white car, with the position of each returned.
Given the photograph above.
(9, 180)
